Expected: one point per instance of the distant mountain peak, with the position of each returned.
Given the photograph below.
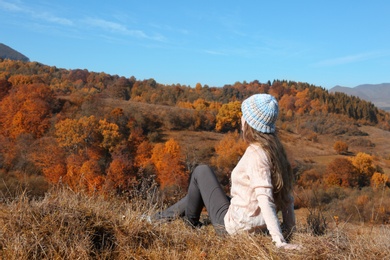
(378, 94)
(7, 52)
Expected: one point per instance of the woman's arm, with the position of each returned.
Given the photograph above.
(268, 211)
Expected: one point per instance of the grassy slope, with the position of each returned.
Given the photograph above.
(67, 225)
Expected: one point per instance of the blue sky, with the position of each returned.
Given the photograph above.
(325, 43)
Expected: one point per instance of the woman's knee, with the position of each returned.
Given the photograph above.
(202, 169)
(203, 172)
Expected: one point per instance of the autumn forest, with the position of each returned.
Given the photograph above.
(108, 134)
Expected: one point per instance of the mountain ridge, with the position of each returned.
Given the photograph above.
(378, 94)
(7, 52)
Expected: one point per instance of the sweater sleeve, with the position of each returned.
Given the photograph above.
(260, 179)
(268, 210)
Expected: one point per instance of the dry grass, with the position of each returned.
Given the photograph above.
(67, 225)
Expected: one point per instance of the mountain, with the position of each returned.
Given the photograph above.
(378, 94)
(9, 53)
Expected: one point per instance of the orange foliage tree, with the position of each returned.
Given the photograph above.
(119, 174)
(118, 117)
(75, 135)
(27, 109)
(365, 168)
(184, 104)
(316, 106)
(143, 154)
(287, 103)
(302, 102)
(228, 117)
(91, 176)
(73, 177)
(205, 115)
(228, 152)
(168, 161)
(88, 141)
(341, 172)
(110, 134)
(50, 158)
(277, 89)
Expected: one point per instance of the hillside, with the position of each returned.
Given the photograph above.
(143, 114)
(200, 144)
(9, 53)
(378, 94)
(99, 151)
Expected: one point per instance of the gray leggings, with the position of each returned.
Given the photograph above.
(204, 191)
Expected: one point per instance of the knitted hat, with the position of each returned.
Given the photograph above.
(260, 111)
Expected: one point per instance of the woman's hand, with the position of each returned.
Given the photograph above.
(290, 246)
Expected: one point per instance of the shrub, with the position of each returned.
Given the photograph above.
(316, 221)
(379, 180)
(309, 178)
(364, 163)
(341, 172)
(340, 147)
(364, 205)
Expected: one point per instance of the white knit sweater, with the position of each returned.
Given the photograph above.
(252, 204)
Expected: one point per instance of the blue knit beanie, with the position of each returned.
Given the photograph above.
(260, 111)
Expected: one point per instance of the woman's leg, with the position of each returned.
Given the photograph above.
(174, 211)
(205, 190)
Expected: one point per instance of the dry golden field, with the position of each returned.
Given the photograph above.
(68, 225)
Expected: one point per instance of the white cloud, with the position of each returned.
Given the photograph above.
(53, 19)
(36, 14)
(350, 59)
(215, 52)
(49, 17)
(10, 6)
(120, 28)
(114, 27)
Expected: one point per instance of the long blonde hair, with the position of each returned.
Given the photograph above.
(281, 171)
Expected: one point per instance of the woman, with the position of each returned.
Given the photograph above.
(261, 183)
